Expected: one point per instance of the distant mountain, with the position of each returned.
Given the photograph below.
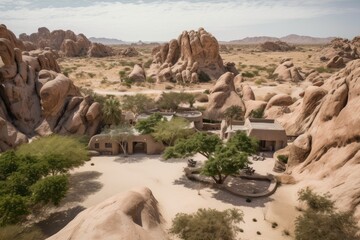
(292, 39)
(108, 41)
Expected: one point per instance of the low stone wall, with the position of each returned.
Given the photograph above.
(193, 175)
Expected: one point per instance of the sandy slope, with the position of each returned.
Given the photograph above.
(111, 175)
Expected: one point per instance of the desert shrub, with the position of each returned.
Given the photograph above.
(259, 81)
(207, 91)
(127, 82)
(91, 75)
(274, 225)
(148, 63)
(322, 221)
(202, 98)
(150, 80)
(255, 72)
(258, 113)
(248, 74)
(283, 158)
(207, 224)
(324, 70)
(259, 68)
(104, 80)
(122, 73)
(203, 77)
(127, 69)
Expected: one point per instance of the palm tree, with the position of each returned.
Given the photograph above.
(111, 111)
(234, 112)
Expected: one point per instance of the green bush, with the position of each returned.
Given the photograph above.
(148, 63)
(283, 158)
(18, 232)
(248, 74)
(207, 224)
(50, 189)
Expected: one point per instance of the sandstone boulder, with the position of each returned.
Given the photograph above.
(134, 215)
(344, 48)
(286, 71)
(67, 42)
(137, 74)
(277, 46)
(36, 100)
(129, 52)
(328, 151)
(336, 62)
(193, 52)
(222, 96)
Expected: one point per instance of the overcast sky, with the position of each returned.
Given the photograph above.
(151, 20)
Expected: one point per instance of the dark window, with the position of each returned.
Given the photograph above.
(108, 145)
(97, 145)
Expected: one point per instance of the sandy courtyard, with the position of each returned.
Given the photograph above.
(114, 174)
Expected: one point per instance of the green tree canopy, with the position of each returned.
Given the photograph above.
(322, 221)
(168, 132)
(234, 112)
(137, 104)
(201, 142)
(146, 126)
(244, 143)
(121, 135)
(50, 189)
(225, 161)
(207, 224)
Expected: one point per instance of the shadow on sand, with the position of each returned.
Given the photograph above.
(56, 221)
(222, 195)
(136, 158)
(82, 184)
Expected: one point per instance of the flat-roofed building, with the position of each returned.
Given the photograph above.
(270, 134)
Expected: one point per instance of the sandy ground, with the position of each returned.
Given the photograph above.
(175, 193)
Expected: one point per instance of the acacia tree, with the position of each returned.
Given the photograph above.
(146, 126)
(200, 142)
(36, 174)
(137, 104)
(121, 134)
(234, 112)
(168, 132)
(222, 159)
(321, 220)
(225, 161)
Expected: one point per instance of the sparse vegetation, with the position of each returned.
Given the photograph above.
(282, 158)
(207, 224)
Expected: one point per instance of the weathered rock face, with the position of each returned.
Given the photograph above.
(36, 100)
(339, 47)
(336, 62)
(286, 71)
(193, 53)
(129, 52)
(277, 46)
(134, 215)
(329, 148)
(67, 42)
(222, 96)
(137, 74)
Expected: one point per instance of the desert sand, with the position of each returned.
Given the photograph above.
(110, 175)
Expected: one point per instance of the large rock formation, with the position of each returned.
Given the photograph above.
(328, 148)
(134, 215)
(339, 47)
(286, 71)
(67, 42)
(36, 100)
(193, 56)
(277, 46)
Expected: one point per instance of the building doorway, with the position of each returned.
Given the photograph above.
(139, 147)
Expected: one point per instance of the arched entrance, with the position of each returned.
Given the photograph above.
(139, 147)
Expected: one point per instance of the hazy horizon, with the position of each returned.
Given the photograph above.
(152, 20)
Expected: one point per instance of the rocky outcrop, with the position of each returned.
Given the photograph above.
(277, 46)
(340, 48)
(328, 148)
(336, 62)
(286, 71)
(130, 52)
(137, 74)
(133, 215)
(222, 96)
(67, 42)
(193, 56)
(35, 99)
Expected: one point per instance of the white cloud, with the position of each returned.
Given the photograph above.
(160, 20)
